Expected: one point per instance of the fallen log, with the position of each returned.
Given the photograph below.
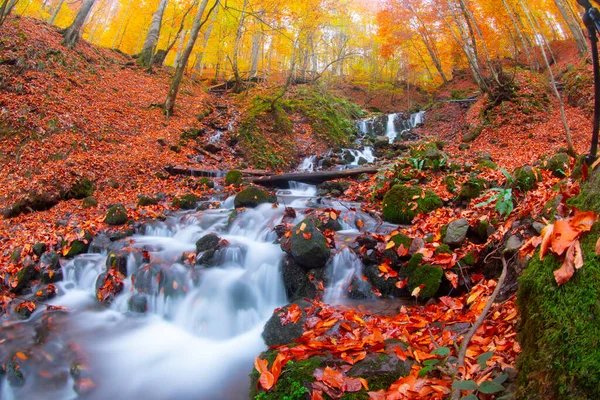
(211, 173)
(282, 180)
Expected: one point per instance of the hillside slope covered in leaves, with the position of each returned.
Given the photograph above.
(83, 148)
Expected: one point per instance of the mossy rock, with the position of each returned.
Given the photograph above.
(558, 164)
(144, 201)
(472, 189)
(186, 202)
(307, 245)
(589, 199)
(89, 202)
(78, 247)
(207, 182)
(450, 182)
(381, 369)
(487, 163)
(473, 134)
(399, 201)
(22, 279)
(207, 242)
(233, 177)
(82, 188)
(401, 239)
(559, 329)
(276, 333)
(525, 178)
(428, 275)
(252, 197)
(116, 215)
(443, 249)
(469, 259)
(39, 249)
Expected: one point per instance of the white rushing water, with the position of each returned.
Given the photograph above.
(200, 343)
(390, 130)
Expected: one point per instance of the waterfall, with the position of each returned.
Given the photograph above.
(203, 325)
(390, 131)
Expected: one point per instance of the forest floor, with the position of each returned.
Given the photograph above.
(68, 115)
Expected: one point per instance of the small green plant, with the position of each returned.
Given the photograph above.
(417, 163)
(503, 197)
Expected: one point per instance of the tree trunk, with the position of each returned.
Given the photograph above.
(56, 11)
(574, 27)
(515, 24)
(563, 116)
(198, 24)
(145, 59)
(72, 33)
(254, 55)
(161, 55)
(236, 51)
(123, 19)
(199, 67)
(179, 49)
(6, 8)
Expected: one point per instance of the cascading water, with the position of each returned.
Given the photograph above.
(203, 326)
(390, 130)
(308, 164)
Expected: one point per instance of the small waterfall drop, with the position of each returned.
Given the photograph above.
(390, 130)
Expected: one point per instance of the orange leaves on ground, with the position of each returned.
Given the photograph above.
(563, 236)
(307, 235)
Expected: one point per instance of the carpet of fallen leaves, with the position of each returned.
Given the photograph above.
(87, 112)
(431, 332)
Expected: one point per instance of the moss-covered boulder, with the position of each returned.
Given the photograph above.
(399, 203)
(525, 178)
(307, 245)
(472, 189)
(428, 275)
(558, 164)
(559, 329)
(144, 201)
(116, 215)
(89, 202)
(252, 197)
(186, 202)
(82, 188)
(277, 333)
(50, 270)
(381, 369)
(21, 280)
(233, 177)
(209, 183)
(39, 249)
(207, 242)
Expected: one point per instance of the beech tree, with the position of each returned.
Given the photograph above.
(147, 54)
(176, 82)
(72, 33)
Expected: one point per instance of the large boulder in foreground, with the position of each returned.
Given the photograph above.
(402, 204)
(559, 328)
(307, 245)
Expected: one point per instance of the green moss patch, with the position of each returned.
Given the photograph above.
(399, 203)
